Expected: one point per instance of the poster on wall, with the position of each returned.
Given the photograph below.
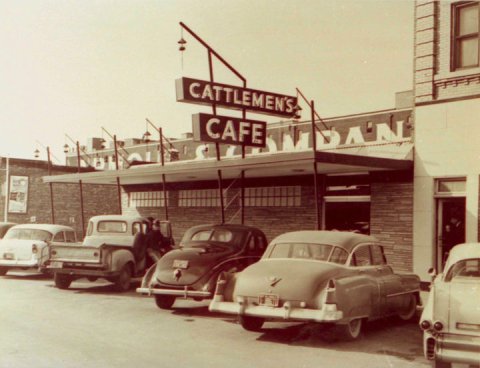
(18, 194)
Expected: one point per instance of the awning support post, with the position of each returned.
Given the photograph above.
(242, 197)
(220, 188)
(165, 199)
(50, 184)
(119, 189)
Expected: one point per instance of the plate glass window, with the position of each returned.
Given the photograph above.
(466, 35)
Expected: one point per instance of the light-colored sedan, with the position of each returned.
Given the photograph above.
(451, 318)
(25, 246)
(330, 277)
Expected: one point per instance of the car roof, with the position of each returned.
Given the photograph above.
(463, 251)
(47, 227)
(117, 218)
(2, 224)
(345, 239)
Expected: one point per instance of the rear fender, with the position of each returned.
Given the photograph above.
(225, 286)
(355, 296)
(119, 258)
(147, 279)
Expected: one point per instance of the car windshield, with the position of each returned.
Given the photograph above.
(112, 227)
(467, 268)
(28, 234)
(319, 252)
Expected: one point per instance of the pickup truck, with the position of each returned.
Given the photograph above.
(106, 252)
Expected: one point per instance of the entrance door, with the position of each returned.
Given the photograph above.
(450, 227)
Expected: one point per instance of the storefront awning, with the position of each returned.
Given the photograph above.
(392, 156)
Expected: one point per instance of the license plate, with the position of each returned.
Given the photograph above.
(268, 300)
(180, 263)
(56, 265)
(8, 256)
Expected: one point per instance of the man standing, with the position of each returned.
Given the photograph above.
(155, 243)
(454, 233)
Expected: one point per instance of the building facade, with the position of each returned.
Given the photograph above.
(26, 198)
(447, 129)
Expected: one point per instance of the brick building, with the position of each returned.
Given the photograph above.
(447, 127)
(30, 197)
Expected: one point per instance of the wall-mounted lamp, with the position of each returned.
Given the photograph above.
(146, 136)
(65, 148)
(36, 153)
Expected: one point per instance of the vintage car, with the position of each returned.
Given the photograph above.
(331, 277)
(22, 246)
(205, 251)
(107, 251)
(4, 226)
(451, 318)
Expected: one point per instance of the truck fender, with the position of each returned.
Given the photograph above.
(120, 258)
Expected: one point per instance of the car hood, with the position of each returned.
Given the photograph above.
(198, 261)
(22, 249)
(290, 279)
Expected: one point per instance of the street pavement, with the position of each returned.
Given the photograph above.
(91, 325)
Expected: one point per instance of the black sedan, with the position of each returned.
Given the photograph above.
(191, 270)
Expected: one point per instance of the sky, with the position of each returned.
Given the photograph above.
(69, 68)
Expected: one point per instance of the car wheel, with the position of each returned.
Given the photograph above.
(62, 281)
(250, 323)
(3, 271)
(351, 330)
(123, 281)
(410, 311)
(439, 364)
(164, 301)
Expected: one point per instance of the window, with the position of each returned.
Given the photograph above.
(273, 196)
(59, 237)
(147, 199)
(137, 227)
(377, 255)
(469, 268)
(70, 237)
(466, 35)
(451, 187)
(361, 257)
(112, 227)
(319, 252)
(199, 198)
(339, 256)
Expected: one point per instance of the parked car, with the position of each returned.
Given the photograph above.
(106, 252)
(4, 226)
(24, 246)
(205, 251)
(330, 277)
(451, 318)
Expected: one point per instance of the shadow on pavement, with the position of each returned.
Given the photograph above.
(200, 311)
(388, 337)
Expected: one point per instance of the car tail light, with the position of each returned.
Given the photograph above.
(54, 252)
(34, 248)
(438, 326)
(95, 254)
(425, 325)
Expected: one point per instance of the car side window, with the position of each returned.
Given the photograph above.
(70, 237)
(261, 243)
(361, 257)
(251, 246)
(339, 256)
(378, 257)
(59, 237)
(137, 228)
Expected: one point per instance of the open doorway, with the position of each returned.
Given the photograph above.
(348, 216)
(450, 227)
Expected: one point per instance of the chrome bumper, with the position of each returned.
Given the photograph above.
(455, 348)
(15, 263)
(181, 293)
(328, 313)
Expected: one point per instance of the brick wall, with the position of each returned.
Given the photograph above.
(98, 199)
(391, 221)
(434, 77)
